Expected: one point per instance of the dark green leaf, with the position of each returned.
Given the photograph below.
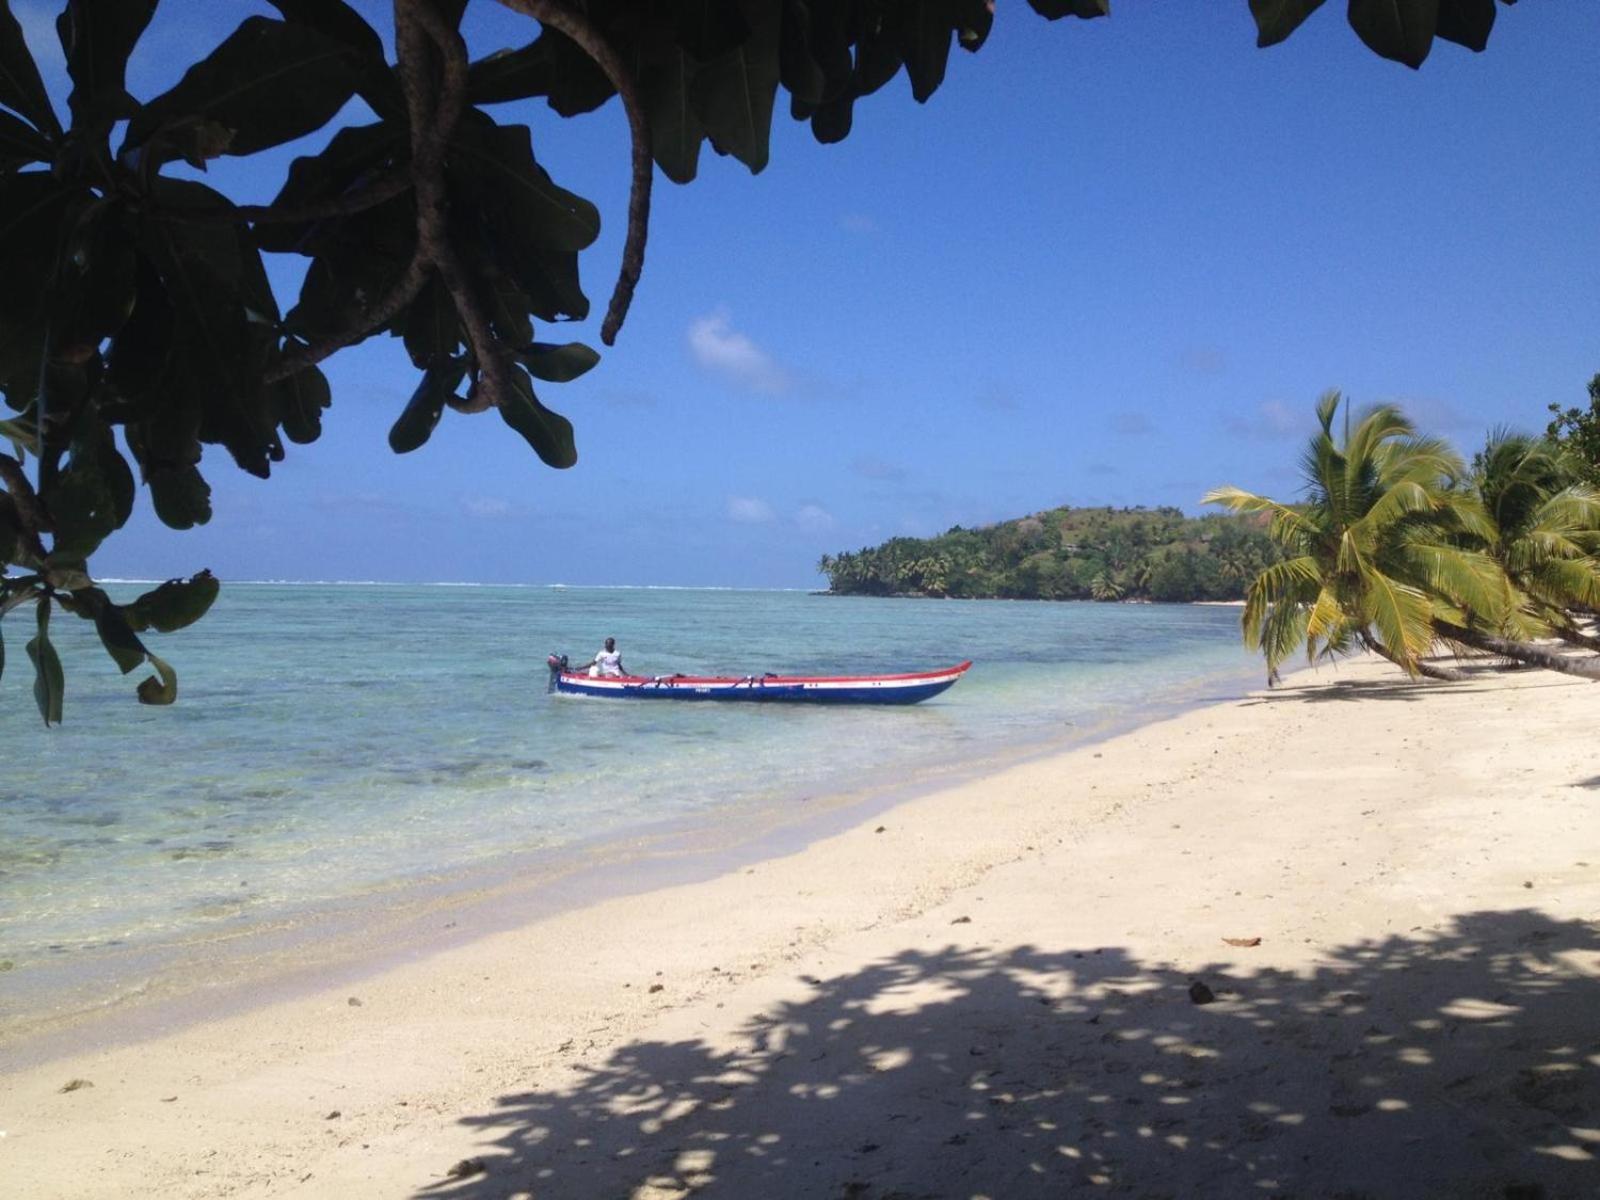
(194, 140)
(270, 82)
(21, 351)
(118, 475)
(358, 261)
(10, 531)
(432, 329)
(507, 304)
(974, 19)
(518, 231)
(182, 498)
(21, 89)
(376, 83)
(925, 43)
(549, 433)
(878, 55)
(34, 209)
(1466, 22)
(97, 38)
(48, 681)
(1277, 19)
(20, 143)
(732, 95)
(298, 400)
(159, 691)
(95, 284)
(353, 159)
(558, 364)
(85, 502)
(498, 160)
(1052, 9)
(833, 119)
(422, 412)
(552, 66)
(798, 69)
(173, 605)
(1401, 30)
(708, 29)
(675, 130)
(142, 349)
(116, 635)
(224, 325)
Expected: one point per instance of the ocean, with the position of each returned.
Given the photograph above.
(335, 745)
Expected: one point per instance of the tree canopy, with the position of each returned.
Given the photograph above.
(1066, 554)
(139, 325)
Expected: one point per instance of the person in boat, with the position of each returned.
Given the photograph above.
(607, 664)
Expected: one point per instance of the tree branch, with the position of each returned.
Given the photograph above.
(578, 27)
(433, 119)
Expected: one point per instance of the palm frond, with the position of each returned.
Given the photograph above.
(1285, 629)
(1400, 614)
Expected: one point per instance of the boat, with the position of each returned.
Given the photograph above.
(906, 688)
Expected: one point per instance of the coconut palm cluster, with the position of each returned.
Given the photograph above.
(1399, 547)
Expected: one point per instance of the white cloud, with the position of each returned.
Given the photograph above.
(1133, 424)
(813, 518)
(1271, 420)
(719, 347)
(486, 507)
(856, 222)
(879, 470)
(749, 510)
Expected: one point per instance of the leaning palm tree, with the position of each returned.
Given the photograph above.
(1378, 551)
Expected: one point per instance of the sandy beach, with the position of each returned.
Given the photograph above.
(1337, 940)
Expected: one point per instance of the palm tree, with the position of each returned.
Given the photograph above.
(1104, 587)
(1369, 559)
(1547, 527)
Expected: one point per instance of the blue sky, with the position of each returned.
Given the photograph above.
(1108, 262)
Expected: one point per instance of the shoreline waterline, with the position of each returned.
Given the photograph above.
(1388, 889)
(153, 991)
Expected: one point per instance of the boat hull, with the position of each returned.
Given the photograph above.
(768, 689)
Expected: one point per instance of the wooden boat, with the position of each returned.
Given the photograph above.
(810, 689)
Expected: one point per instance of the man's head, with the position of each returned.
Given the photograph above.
(611, 644)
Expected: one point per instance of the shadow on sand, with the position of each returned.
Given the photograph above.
(1457, 1062)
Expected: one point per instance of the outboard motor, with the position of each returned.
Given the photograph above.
(557, 664)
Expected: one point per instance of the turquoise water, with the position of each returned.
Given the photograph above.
(335, 740)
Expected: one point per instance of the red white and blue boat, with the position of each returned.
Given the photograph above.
(769, 689)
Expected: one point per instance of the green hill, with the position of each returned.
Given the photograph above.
(1066, 554)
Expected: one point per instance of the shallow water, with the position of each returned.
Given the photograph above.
(331, 741)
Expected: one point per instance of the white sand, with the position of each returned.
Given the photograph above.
(987, 997)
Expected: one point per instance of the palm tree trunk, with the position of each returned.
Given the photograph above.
(1427, 670)
(1533, 656)
(1574, 637)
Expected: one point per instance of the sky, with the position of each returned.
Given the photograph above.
(1109, 262)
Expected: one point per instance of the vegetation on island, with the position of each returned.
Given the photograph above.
(139, 325)
(1398, 547)
(1067, 554)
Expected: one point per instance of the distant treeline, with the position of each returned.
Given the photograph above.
(1067, 554)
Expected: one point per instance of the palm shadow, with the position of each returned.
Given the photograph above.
(1459, 1062)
